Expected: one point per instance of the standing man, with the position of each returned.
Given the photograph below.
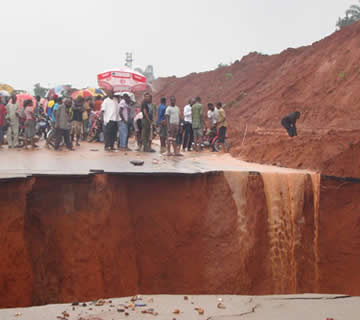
(63, 124)
(162, 123)
(110, 109)
(124, 122)
(146, 123)
(2, 121)
(213, 115)
(37, 110)
(13, 118)
(85, 118)
(77, 120)
(173, 122)
(138, 127)
(189, 135)
(154, 116)
(197, 122)
(289, 123)
(221, 123)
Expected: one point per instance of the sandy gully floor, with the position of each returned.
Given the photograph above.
(295, 307)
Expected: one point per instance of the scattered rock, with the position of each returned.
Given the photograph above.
(220, 305)
(150, 311)
(120, 310)
(137, 162)
(84, 304)
(75, 304)
(176, 311)
(200, 311)
(140, 304)
(100, 303)
(186, 298)
(126, 313)
(18, 314)
(65, 314)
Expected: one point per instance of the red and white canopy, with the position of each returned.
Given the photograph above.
(123, 79)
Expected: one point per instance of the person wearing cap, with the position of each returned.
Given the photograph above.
(124, 125)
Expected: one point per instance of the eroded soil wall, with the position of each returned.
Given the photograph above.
(67, 239)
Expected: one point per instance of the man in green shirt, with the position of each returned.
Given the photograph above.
(197, 122)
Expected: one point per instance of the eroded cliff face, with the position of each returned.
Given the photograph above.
(69, 239)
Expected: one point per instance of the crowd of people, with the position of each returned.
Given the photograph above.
(179, 130)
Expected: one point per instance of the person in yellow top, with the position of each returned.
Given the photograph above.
(221, 123)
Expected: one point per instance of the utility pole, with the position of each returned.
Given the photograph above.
(129, 59)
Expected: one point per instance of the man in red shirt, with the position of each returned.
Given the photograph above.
(2, 122)
(98, 103)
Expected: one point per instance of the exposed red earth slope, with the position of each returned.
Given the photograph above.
(322, 81)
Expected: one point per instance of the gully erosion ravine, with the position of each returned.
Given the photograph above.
(73, 238)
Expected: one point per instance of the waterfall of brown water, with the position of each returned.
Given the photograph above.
(238, 182)
(285, 201)
(316, 182)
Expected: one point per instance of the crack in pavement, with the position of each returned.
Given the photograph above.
(313, 298)
(253, 309)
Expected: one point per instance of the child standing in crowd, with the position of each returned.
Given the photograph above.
(30, 124)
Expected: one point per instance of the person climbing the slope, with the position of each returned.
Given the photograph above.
(289, 123)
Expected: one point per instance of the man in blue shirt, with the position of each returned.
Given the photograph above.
(162, 124)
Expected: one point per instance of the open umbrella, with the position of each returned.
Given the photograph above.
(6, 87)
(25, 96)
(81, 93)
(123, 79)
(4, 93)
(96, 91)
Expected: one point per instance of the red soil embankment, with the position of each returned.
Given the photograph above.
(321, 81)
(67, 239)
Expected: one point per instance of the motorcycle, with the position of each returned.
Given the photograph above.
(96, 126)
(51, 136)
(211, 140)
(43, 125)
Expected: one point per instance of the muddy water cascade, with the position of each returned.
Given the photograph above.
(211, 233)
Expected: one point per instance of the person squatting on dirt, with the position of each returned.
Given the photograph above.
(289, 123)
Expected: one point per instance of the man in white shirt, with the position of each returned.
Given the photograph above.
(213, 114)
(189, 135)
(110, 110)
(124, 122)
(172, 114)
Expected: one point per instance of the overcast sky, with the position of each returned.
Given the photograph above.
(71, 41)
